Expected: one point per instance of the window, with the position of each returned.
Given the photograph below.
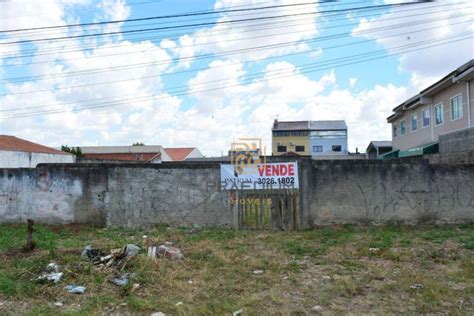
(456, 108)
(299, 148)
(281, 149)
(329, 134)
(394, 131)
(318, 149)
(426, 117)
(414, 123)
(402, 128)
(336, 147)
(299, 133)
(439, 115)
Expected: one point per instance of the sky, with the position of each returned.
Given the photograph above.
(206, 80)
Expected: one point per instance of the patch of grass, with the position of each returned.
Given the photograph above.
(330, 266)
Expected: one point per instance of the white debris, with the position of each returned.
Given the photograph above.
(416, 286)
(257, 272)
(238, 312)
(58, 304)
(374, 249)
(158, 314)
(179, 303)
(317, 308)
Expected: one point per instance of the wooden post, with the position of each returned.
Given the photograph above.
(30, 244)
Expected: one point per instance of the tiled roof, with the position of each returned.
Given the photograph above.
(308, 125)
(12, 143)
(124, 156)
(120, 149)
(327, 125)
(290, 125)
(179, 154)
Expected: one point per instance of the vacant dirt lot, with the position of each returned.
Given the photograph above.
(341, 270)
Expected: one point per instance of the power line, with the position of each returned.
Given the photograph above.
(195, 13)
(211, 55)
(205, 24)
(207, 36)
(219, 66)
(208, 18)
(184, 90)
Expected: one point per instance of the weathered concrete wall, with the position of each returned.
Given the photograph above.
(115, 195)
(175, 194)
(52, 195)
(20, 159)
(459, 141)
(353, 191)
(381, 192)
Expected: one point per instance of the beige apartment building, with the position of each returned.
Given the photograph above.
(444, 107)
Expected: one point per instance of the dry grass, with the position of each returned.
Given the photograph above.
(334, 268)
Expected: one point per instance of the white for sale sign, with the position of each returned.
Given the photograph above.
(264, 176)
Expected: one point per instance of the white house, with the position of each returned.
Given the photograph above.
(19, 153)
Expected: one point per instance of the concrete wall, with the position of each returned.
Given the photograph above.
(175, 194)
(20, 159)
(115, 195)
(352, 191)
(462, 140)
(380, 192)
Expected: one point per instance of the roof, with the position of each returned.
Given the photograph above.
(179, 154)
(290, 125)
(12, 143)
(308, 125)
(121, 149)
(380, 143)
(124, 156)
(327, 125)
(464, 72)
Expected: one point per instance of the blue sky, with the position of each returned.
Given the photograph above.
(153, 99)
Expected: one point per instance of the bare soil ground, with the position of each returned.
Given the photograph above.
(348, 270)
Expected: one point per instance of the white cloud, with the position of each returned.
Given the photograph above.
(209, 120)
(237, 36)
(444, 19)
(352, 81)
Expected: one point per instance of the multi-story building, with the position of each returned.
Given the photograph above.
(309, 138)
(443, 107)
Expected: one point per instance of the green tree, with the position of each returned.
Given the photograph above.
(138, 144)
(77, 151)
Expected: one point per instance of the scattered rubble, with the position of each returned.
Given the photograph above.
(115, 257)
(52, 274)
(74, 289)
(165, 251)
(416, 286)
(122, 281)
(135, 287)
(316, 308)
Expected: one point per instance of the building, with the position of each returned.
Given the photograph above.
(377, 148)
(309, 138)
(180, 154)
(148, 154)
(19, 153)
(444, 107)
